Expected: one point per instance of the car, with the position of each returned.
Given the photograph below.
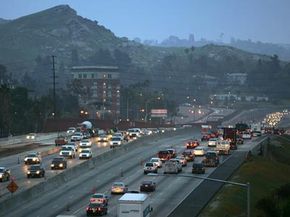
(77, 136)
(70, 131)
(67, 151)
(31, 136)
(205, 138)
(246, 136)
(164, 155)
(86, 135)
(211, 159)
(96, 209)
(157, 161)
(200, 151)
(150, 167)
(172, 151)
(85, 143)
(119, 134)
(119, 188)
(85, 154)
(73, 145)
(212, 142)
(177, 162)
(60, 140)
(198, 168)
(188, 154)
(99, 198)
(35, 171)
(102, 138)
(182, 160)
(134, 133)
(116, 141)
(58, 163)
(32, 158)
(256, 133)
(240, 141)
(4, 174)
(192, 144)
(147, 186)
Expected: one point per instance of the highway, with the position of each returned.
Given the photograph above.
(71, 195)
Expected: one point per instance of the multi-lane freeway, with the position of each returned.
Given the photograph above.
(70, 194)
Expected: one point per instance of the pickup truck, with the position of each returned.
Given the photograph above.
(223, 147)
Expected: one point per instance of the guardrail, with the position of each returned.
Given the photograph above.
(56, 181)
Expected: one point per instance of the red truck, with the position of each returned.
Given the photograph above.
(164, 155)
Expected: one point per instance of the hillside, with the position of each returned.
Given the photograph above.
(27, 43)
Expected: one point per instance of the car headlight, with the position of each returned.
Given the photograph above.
(25, 159)
(52, 165)
(0, 175)
(32, 137)
(34, 159)
(28, 172)
(61, 165)
(37, 172)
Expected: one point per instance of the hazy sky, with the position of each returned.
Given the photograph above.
(263, 20)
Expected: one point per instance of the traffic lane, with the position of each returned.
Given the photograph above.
(134, 179)
(59, 198)
(19, 171)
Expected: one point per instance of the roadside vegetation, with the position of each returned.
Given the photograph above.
(270, 185)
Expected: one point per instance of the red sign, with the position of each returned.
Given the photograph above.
(160, 113)
(12, 187)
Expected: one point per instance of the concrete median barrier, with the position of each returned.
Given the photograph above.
(22, 197)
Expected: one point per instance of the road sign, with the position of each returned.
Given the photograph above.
(159, 113)
(12, 187)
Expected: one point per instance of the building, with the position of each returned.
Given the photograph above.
(237, 78)
(99, 90)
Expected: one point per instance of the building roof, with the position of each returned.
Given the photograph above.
(94, 67)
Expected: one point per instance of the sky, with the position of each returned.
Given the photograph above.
(258, 20)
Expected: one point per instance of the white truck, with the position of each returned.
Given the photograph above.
(223, 147)
(134, 205)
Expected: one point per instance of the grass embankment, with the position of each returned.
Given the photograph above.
(265, 174)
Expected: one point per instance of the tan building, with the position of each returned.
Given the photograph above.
(99, 90)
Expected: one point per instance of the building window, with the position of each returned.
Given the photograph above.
(92, 76)
(84, 76)
(109, 76)
(80, 76)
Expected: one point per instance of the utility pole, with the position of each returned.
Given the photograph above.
(53, 77)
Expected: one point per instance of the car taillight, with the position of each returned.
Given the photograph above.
(88, 208)
(99, 209)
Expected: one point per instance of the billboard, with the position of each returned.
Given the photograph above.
(158, 113)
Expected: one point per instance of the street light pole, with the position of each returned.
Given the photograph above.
(247, 185)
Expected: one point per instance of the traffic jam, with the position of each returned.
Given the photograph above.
(196, 153)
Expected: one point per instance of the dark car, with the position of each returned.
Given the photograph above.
(211, 159)
(164, 155)
(35, 171)
(198, 168)
(192, 144)
(188, 155)
(95, 209)
(240, 141)
(4, 174)
(172, 151)
(148, 186)
(58, 163)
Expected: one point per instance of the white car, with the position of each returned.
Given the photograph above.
(246, 136)
(74, 146)
(85, 143)
(200, 151)
(115, 141)
(85, 153)
(150, 167)
(134, 132)
(212, 142)
(67, 151)
(157, 161)
(182, 160)
(118, 134)
(71, 131)
(177, 162)
(32, 158)
(77, 137)
(31, 136)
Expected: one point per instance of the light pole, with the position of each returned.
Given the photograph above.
(245, 185)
